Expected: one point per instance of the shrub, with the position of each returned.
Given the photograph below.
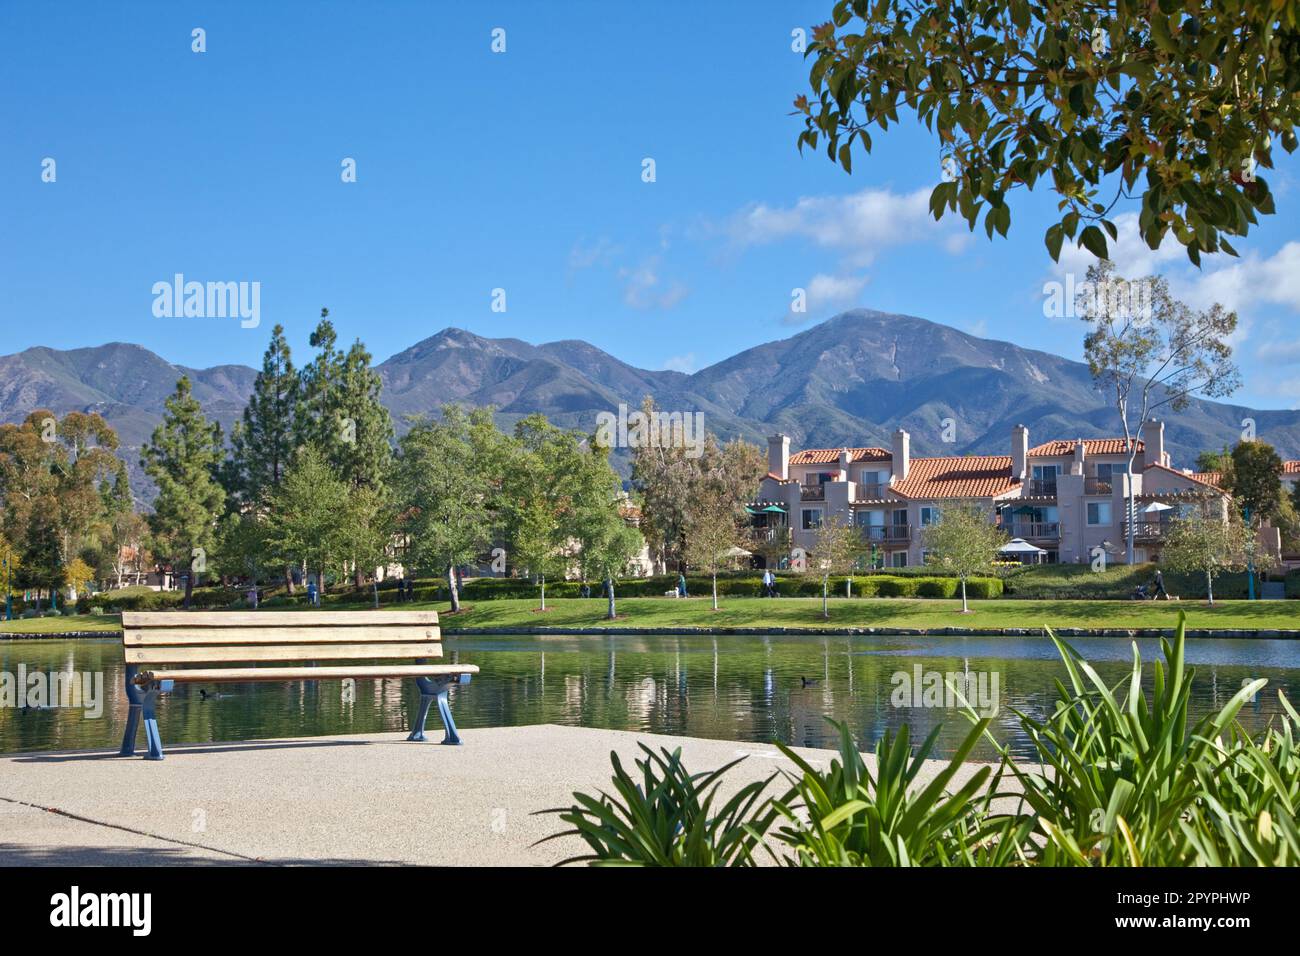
(1293, 583)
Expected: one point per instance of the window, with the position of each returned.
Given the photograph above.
(1105, 471)
(1046, 473)
(812, 518)
(823, 477)
(929, 516)
(1098, 512)
(898, 559)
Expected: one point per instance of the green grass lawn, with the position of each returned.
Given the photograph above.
(873, 612)
(806, 612)
(108, 623)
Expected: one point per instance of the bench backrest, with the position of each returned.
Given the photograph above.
(225, 637)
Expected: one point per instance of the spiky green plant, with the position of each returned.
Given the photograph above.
(1127, 780)
(851, 816)
(668, 819)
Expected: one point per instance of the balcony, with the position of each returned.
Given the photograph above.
(812, 492)
(873, 491)
(1149, 530)
(1034, 529)
(1097, 486)
(886, 534)
(1042, 487)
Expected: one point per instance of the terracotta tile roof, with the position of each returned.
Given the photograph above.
(775, 477)
(1291, 467)
(1207, 478)
(828, 456)
(977, 476)
(1091, 446)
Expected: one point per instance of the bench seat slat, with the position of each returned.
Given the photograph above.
(245, 674)
(191, 619)
(186, 637)
(248, 653)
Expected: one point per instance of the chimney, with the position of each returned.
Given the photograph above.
(778, 456)
(1019, 453)
(1152, 434)
(901, 452)
(1080, 456)
(845, 458)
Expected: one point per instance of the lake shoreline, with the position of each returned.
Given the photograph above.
(560, 631)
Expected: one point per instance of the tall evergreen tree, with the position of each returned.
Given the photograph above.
(364, 429)
(264, 442)
(315, 423)
(182, 457)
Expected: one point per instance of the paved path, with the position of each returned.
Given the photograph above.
(365, 799)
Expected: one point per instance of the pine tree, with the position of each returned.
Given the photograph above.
(264, 442)
(316, 423)
(182, 458)
(365, 430)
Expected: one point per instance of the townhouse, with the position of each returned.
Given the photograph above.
(1066, 497)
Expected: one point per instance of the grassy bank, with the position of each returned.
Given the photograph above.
(806, 612)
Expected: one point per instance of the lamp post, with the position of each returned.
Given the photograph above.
(9, 598)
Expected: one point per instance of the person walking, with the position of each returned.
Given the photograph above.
(1159, 584)
(313, 595)
(681, 584)
(768, 581)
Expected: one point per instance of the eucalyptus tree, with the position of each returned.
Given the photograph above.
(1158, 356)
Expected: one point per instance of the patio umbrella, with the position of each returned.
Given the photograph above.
(1156, 507)
(1022, 550)
(736, 553)
(1020, 546)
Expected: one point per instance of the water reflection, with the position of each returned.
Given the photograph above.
(759, 689)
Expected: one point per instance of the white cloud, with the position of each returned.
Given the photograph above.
(859, 225)
(681, 363)
(826, 292)
(1236, 283)
(643, 288)
(598, 253)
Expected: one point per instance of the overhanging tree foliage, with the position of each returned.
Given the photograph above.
(1175, 103)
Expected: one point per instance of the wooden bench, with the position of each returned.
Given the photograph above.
(160, 647)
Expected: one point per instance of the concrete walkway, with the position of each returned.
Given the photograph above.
(365, 799)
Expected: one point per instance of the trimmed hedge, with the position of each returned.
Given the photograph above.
(1293, 583)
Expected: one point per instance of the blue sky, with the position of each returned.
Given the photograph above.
(520, 171)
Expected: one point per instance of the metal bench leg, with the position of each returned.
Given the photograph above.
(426, 699)
(444, 711)
(429, 690)
(136, 699)
(151, 734)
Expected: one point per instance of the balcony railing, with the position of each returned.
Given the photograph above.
(1149, 530)
(1034, 529)
(812, 492)
(873, 491)
(1042, 487)
(1097, 486)
(886, 533)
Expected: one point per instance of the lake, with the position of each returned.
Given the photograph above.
(747, 688)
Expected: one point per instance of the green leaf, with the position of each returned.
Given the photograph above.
(1093, 240)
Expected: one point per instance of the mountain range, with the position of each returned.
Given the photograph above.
(850, 380)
